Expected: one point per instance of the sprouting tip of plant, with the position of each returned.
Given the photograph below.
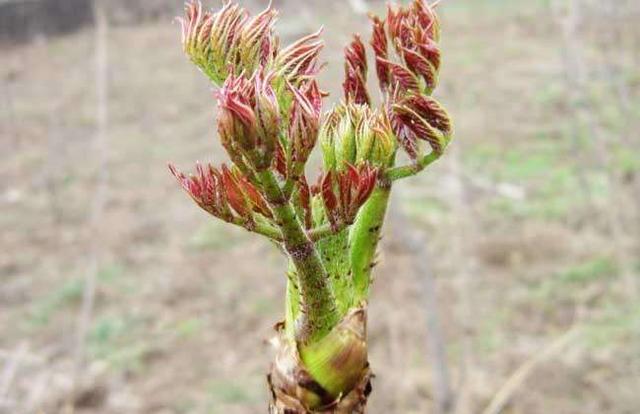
(270, 120)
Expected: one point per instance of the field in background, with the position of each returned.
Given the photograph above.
(531, 224)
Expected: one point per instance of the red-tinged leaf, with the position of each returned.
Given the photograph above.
(409, 144)
(234, 194)
(241, 108)
(208, 186)
(354, 87)
(331, 202)
(220, 202)
(367, 184)
(249, 118)
(250, 192)
(237, 118)
(299, 60)
(407, 35)
(305, 120)
(380, 49)
(419, 65)
(404, 136)
(356, 56)
(328, 196)
(176, 173)
(430, 110)
(192, 23)
(355, 84)
(258, 28)
(314, 96)
(379, 41)
(395, 19)
(205, 189)
(425, 117)
(300, 101)
(189, 184)
(268, 50)
(427, 18)
(204, 36)
(280, 161)
(304, 195)
(353, 173)
(346, 186)
(267, 110)
(212, 39)
(402, 77)
(430, 50)
(421, 128)
(414, 25)
(227, 27)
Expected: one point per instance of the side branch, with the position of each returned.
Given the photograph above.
(364, 236)
(263, 229)
(404, 171)
(326, 230)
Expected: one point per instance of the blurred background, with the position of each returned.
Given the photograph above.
(509, 275)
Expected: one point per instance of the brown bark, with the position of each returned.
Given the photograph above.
(353, 403)
(295, 391)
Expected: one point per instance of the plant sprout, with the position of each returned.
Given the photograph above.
(270, 120)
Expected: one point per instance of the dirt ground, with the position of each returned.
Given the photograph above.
(520, 252)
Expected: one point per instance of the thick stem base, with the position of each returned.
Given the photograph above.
(330, 377)
(354, 402)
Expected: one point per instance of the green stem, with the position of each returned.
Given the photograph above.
(404, 171)
(364, 237)
(296, 172)
(326, 230)
(292, 303)
(264, 229)
(318, 310)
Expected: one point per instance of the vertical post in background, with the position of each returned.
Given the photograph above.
(567, 16)
(465, 267)
(587, 114)
(622, 220)
(620, 208)
(8, 113)
(415, 242)
(625, 190)
(100, 149)
(444, 395)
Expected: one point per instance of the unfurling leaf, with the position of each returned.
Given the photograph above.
(414, 32)
(422, 117)
(305, 120)
(249, 119)
(211, 39)
(299, 61)
(356, 134)
(380, 46)
(206, 188)
(355, 68)
(225, 193)
(344, 192)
